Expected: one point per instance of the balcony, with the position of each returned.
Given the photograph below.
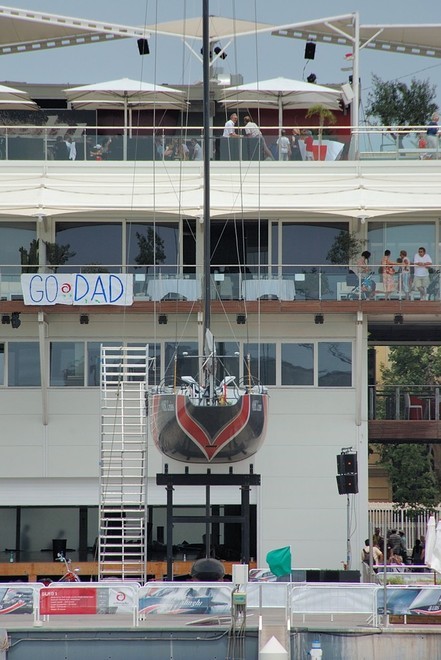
(81, 142)
(286, 283)
(405, 414)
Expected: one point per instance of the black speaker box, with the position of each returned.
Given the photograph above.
(143, 47)
(347, 464)
(310, 50)
(347, 484)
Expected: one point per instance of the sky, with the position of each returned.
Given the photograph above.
(256, 58)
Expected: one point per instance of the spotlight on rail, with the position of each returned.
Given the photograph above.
(15, 320)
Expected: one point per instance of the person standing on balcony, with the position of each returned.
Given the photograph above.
(405, 285)
(230, 127)
(296, 153)
(253, 131)
(432, 132)
(388, 272)
(422, 262)
(284, 146)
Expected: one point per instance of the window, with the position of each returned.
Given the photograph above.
(13, 236)
(396, 236)
(94, 361)
(262, 363)
(334, 364)
(67, 364)
(298, 364)
(93, 243)
(186, 358)
(23, 364)
(228, 360)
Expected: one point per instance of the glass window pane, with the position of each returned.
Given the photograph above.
(187, 362)
(334, 364)
(23, 364)
(94, 361)
(262, 363)
(93, 244)
(153, 244)
(14, 236)
(396, 236)
(297, 364)
(138, 370)
(67, 364)
(310, 243)
(239, 244)
(228, 360)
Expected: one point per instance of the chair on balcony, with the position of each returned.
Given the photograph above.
(413, 407)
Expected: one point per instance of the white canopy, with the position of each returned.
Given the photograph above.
(331, 189)
(126, 94)
(123, 93)
(15, 99)
(281, 93)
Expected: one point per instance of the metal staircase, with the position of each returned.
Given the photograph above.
(123, 463)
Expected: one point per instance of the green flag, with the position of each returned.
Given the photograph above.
(279, 561)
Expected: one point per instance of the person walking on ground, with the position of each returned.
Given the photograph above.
(422, 262)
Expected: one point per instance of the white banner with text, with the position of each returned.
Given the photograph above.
(77, 289)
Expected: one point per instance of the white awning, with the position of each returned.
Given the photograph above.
(175, 191)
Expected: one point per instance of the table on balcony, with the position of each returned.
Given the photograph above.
(174, 288)
(257, 289)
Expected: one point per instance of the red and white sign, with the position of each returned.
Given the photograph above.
(68, 600)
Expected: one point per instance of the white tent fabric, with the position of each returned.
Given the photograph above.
(435, 558)
(15, 99)
(125, 92)
(177, 190)
(430, 540)
(282, 93)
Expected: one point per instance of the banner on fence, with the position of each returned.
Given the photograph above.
(16, 601)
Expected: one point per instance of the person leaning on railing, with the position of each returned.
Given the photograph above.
(432, 132)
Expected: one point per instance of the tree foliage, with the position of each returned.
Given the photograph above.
(413, 470)
(394, 102)
(413, 365)
(345, 248)
(412, 476)
(151, 248)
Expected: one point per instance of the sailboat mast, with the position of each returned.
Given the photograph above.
(206, 131)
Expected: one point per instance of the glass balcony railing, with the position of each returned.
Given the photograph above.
(231, 282)
(100, 143)
(405, 402)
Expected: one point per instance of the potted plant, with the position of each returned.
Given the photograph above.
(325, 117)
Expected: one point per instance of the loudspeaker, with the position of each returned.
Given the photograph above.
(347, 463)
(347, 484)
(143, 47)
(347, 94)
(310, 50)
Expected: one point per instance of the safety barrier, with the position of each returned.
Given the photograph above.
(100, 604)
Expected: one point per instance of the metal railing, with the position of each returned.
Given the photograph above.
(287, 282)
(405, 402)
(81, 142)
(100, 604)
